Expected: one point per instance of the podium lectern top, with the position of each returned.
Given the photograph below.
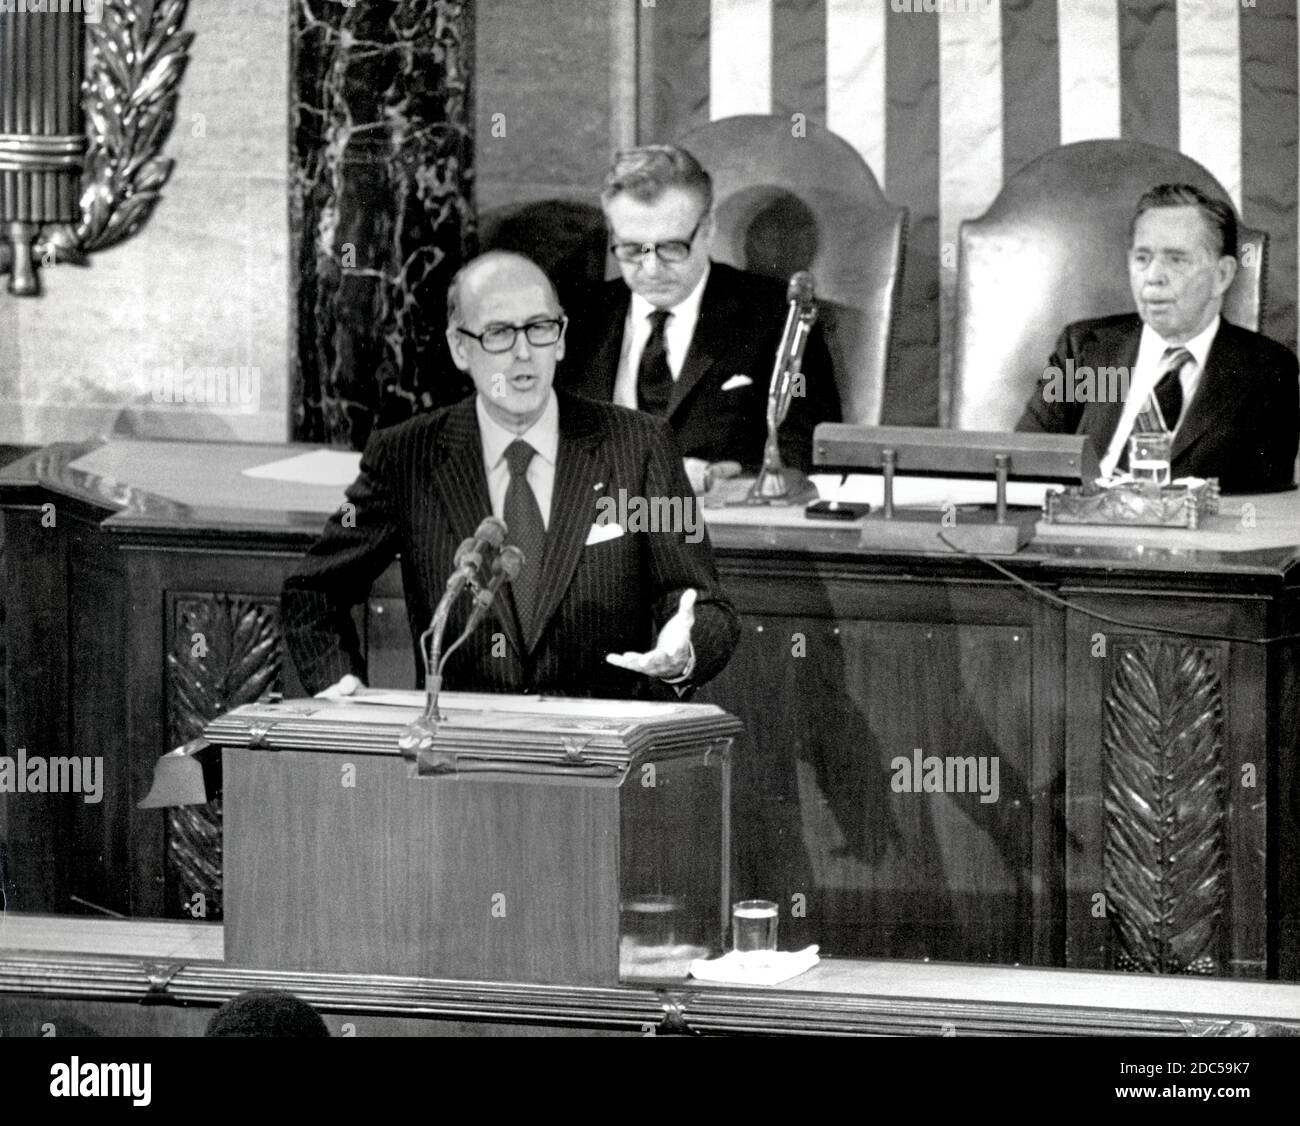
(484, 731)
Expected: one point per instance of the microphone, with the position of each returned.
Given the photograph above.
(417, 736)
(471, 555)
(775, 483)
(505, 569)
(800, 315)
(800, 290)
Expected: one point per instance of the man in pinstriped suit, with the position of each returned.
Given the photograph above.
(606, 611)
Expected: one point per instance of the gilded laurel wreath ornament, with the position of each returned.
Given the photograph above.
(135, 54)
(135, 58)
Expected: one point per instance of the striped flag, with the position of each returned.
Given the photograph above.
(946, 98)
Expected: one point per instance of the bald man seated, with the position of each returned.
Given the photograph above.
(618, 596)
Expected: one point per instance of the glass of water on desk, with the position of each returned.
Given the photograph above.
(1148, 458)
(753, 925)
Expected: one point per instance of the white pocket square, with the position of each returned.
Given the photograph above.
(736, 382)
(601, 532)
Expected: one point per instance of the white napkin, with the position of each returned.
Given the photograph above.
(756, 967)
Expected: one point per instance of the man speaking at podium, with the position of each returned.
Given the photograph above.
(598, 609)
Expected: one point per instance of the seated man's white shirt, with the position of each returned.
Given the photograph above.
(543, 436)
(1146, 373)
(636, 331)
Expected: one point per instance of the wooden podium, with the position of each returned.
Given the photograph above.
(559, 840)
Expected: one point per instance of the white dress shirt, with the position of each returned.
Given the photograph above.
(543, 436)
(636, 331)
(1146, 373)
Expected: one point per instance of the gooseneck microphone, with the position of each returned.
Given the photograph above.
(469, 562)
(505, 568)
(473, 555)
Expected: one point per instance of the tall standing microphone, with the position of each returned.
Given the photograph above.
(776, 483)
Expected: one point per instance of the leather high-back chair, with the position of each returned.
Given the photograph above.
(785, 203)
(1051, 250)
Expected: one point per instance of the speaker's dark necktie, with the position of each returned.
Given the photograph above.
(654, 379)
(527, 531)
(1169, 389)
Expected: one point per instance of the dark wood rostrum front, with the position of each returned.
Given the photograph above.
(1110, 796)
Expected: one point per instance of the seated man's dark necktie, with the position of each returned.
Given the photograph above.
(1169, 389)
(527, 531)
(654, 378)
(1168, 394)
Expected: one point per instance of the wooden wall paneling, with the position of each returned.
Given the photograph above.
(1283, 792)
(223, 651)
(1158, 728)
(37, 871)
(145, 682)
(888, 665)
(1047, 784)
(1165, 806)
(1253, 757)
(98, 625)
(231, 596)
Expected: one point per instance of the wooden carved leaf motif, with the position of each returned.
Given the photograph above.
(224, 652)
(136, 57)
(1165, 808)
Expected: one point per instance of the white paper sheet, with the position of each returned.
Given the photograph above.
(333, 468)
(758, 967)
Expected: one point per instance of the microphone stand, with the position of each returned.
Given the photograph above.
(776, 483)
(417, 736)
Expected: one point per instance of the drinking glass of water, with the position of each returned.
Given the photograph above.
(753, 925)
(1148, 458)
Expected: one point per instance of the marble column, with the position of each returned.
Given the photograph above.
(381, 208)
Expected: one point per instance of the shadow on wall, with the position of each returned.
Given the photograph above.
(781, 237)
(567, 239)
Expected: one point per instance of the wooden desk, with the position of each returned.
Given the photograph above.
(136, 618)
(109, 978)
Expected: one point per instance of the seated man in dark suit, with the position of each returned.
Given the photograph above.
(1227, 395)
(685, 338)
(611, 601)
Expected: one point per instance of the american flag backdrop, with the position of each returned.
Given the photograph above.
(944, 104)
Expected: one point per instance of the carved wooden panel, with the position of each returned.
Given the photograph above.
(1165, 807)
(224, 651)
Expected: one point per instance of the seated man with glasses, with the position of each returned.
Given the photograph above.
(1228, 396)
(599, 608)
(685, 338)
